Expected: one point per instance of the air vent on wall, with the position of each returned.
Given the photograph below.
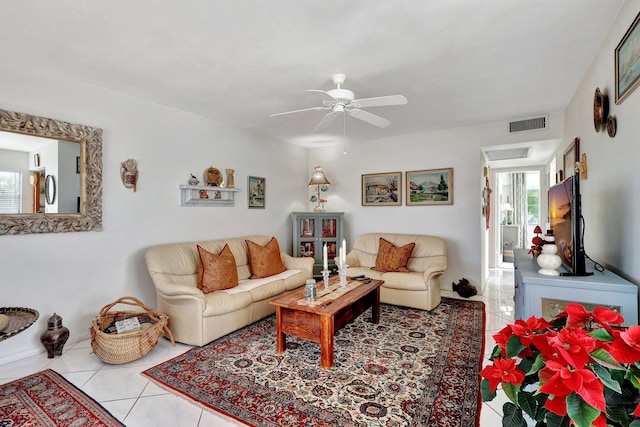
(527, 125)
(508, 154)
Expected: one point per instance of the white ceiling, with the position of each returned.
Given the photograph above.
(458, 62)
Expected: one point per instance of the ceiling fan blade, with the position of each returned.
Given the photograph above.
(299, 111)
(372, 119)
(323, 92)
(379, 101)
(326, 122)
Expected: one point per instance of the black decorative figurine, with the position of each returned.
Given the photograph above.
(54, 338)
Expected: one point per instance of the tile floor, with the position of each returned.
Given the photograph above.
(138, 402)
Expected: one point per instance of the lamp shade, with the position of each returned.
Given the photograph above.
(318, 177)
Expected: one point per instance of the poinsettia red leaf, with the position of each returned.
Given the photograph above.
(601, 421)
(636, 411)
(607, 315)
(557, 405)
(592, 390)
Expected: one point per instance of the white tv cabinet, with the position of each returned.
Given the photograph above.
(545, 296)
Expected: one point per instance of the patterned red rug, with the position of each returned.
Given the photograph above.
(415, 368)
(47, 399)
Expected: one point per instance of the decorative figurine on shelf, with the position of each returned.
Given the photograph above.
(548, 260)
(193, 180)
(537, 241)
(129, 173)
(54, 338)
(204, 194)
(230, 183)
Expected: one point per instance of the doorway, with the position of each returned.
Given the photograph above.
(520, 205)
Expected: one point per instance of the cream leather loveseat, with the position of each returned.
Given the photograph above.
(418, 288)
(197, 318)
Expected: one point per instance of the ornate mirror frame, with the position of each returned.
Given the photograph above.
(90, 139)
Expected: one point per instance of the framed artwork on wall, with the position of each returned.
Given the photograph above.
(382, 189)
(430, 187)
(627, 62)
(256, 192)
(569, 158)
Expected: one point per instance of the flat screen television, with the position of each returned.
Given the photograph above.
(565, 219)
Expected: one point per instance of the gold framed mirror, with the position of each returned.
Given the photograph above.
(89, 215)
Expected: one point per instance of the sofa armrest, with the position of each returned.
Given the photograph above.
(297, 263)
(353, 260)
(164, 287)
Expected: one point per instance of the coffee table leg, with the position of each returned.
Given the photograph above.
(326, 341)
(280, 337)
(375, 307)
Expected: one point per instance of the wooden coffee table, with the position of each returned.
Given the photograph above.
(318, 320)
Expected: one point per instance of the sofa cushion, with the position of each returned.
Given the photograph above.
(393, 258)
(216, 272)
(265, 260)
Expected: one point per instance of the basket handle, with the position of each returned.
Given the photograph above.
(129, 300)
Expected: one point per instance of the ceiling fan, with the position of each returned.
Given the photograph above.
(343, 101)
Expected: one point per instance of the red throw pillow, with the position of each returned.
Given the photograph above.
(265, 260)
(216, 272)
(393, 258)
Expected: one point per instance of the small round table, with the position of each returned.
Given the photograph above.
(20, 318)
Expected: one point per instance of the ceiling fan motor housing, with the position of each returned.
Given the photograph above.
(342, 96)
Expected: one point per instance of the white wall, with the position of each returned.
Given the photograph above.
(76, 274)
(461, 224)
(610, 202)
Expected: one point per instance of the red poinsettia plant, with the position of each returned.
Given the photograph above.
(581, 368)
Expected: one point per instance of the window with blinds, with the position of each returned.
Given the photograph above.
(10, 192)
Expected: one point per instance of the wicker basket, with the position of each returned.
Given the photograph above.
(128, 346)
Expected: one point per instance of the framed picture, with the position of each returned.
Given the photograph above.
(627, 60)
(569, 158)
(255, 192)
(382, 189)
(430, 187)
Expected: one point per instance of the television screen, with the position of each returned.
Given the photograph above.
(560, 200)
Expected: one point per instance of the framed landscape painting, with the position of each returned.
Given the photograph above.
(430, 187)
(382, 189)
(627, 59)
(255, 192)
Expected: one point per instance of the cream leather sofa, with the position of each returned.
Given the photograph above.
(419, 288)
(197, 318)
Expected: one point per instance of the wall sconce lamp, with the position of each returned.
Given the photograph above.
(318, 179)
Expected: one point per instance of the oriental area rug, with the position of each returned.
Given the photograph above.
(414, 368)
(47, 399)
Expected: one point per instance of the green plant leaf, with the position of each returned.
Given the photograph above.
(554, 420)
(527, 402)
(605, 377)
(537, 365)
(618, 413)
(512, 416)
(485, 390)
(514, 346)
(581, 413)
(601, 334)
(634, 380)
(635, 423)
(511, 391)
(602, 357)
(497, 351)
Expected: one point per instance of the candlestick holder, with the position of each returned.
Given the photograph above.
(325, 278)
(342, 272)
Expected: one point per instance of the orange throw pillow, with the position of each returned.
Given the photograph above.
(393, 258)
(265, 260)
(216, 272)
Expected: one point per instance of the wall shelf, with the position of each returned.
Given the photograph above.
(191, 195)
